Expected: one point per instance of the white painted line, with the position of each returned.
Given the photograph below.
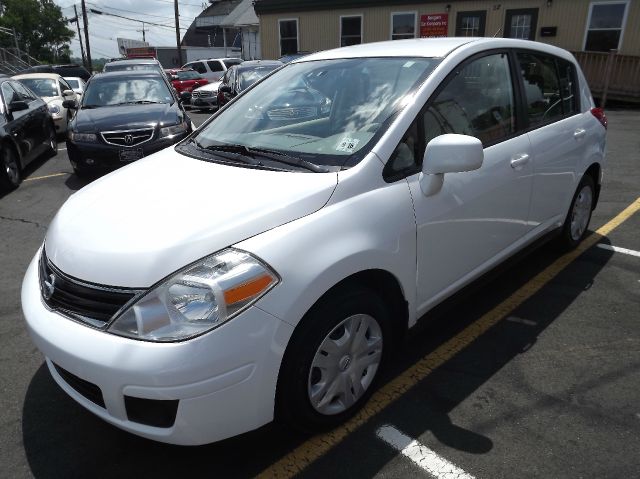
(62, 149)
(421, 455)
(526, 322)
(617, 249)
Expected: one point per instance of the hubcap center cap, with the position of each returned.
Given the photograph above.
(344, 363)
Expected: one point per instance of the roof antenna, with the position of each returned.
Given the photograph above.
(497, 31)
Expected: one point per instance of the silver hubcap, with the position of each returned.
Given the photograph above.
(581, 213)
(11, 166)
(345, 364)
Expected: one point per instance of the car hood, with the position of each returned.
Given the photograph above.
(145, 221)
(211, 86)
(125, 117)
(52, 99)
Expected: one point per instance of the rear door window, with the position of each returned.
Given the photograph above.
(541, 88)
(197, 66)
(215, 66)
(568, 87)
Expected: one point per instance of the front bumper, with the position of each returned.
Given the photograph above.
(102, 156)
(224, 381)
(206, 102)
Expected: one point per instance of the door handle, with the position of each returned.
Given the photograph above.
(579, 133)
(519, 161)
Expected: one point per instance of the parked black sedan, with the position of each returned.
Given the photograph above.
(26, 131)
(123, 117)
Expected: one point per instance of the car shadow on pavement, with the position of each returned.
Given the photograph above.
(74, 182)
(61, 439)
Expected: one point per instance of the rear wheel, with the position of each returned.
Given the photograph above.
(577, 221)
(10, 174)
(53, 141)
(332, 363)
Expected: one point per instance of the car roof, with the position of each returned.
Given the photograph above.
(52, 76)
(129, 74)
(134, 61)
(427, 48)
(208, 59)
(257, 63)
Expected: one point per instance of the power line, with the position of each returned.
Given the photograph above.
(166, 17)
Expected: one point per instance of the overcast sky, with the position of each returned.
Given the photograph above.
(104, 29)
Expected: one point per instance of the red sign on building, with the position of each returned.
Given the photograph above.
(434, 25)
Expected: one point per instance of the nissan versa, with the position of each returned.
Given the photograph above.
(266, 266)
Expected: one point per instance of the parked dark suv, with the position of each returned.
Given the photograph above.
(123, 117)
(68, 70)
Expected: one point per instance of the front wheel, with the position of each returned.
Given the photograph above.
(577, 220)
(332, 363)
(10, 174)
(53, 142)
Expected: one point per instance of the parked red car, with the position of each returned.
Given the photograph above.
(184, 81)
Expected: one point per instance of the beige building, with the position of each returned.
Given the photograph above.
(576, 25)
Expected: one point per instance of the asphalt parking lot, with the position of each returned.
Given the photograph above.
(534, 372)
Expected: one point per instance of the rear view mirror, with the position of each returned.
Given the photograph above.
(18, 105)
(70, 104)
(224, 89)
(450, 153)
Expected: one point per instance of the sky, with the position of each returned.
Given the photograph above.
(104, 29)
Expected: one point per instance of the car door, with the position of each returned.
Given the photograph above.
(475, 216)
(37, 117)
(17, 123)
(557, 133)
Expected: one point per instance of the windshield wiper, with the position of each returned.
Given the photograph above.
(288, 159)
(87, 107)
(135, 102)
(232, 152)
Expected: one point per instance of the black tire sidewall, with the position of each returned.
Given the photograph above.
(5, 183)
(567, 241)
(292, 402)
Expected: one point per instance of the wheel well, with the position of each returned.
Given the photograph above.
(594, 172)
(385, 285)
(9, 144)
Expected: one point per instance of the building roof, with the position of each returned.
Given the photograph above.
(211, 36)
(242, 15)
(275, 6)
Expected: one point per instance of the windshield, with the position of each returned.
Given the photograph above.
(325, 112)
(188, 76)
(246, 78)
(73, 83)
(122, 90)
(41, 86)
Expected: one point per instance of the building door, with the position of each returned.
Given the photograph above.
(521, 23)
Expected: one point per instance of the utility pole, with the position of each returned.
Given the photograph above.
(86, 36)
(175, 7)
(143, 37)
(15, 37)
(84, 59)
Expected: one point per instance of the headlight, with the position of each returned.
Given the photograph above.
(197, 299)
(54, 109)
(174, 129)
(83, 137)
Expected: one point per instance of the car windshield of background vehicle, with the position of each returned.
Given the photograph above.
(119, 91)
(403, 25)
(249, 77)
(325, 112)
(606, 22)
(188, 76)
(42, 87)
(121, 68)
(73, 83)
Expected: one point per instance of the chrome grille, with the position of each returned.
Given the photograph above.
(89, 303)
(202, 94)
(127, 138)
(293, 113)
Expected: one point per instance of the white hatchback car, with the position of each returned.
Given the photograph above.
(275, 257)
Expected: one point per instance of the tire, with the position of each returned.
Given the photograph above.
(52, 150)
(10, 172)
(329, 370)
(576, 223)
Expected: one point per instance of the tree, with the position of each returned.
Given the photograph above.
(42, 30)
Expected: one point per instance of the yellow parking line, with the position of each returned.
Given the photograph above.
(312, 449)
(45, 176)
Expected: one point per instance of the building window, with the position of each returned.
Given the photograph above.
(350, 30)
(471, 24)
(403, 25)
(605, 26)
(288, 30)
(521, 23)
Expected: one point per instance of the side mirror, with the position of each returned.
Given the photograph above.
(18, 105)
(224, 89)
(450, 153)
(68, 93)
(70, 104)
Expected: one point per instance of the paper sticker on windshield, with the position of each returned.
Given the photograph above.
(347, 144)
